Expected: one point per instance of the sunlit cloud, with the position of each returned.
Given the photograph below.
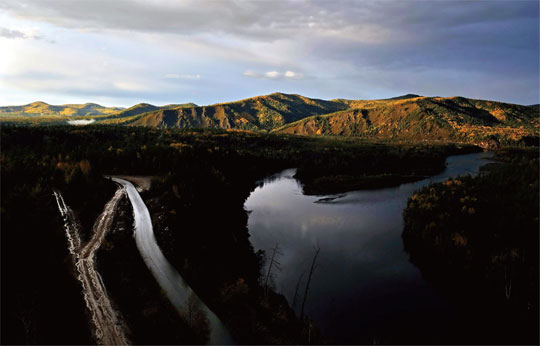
(182, 76)
(273, 75)
(291, 74)
(161, 50)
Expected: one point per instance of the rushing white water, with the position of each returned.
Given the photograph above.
(176, 289)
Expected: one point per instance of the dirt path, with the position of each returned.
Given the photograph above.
(108, 327)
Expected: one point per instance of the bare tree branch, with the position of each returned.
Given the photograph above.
(309, 279)
(273, 262)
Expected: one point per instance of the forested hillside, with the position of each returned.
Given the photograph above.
(476, 240)
(257, 113)
(43, 109)
(458, 119)
(406, 118)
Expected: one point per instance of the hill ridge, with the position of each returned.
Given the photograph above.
(455, 118)
(406, 117)
(40, 108)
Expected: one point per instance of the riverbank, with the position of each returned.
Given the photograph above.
(364, 288)
(476, 239)
(375, 170)
(150, 317)
(225, 272)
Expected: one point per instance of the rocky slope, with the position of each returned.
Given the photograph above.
(460, 119)
(257, 113)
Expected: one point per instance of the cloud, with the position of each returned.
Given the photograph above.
(359, 21)
(130, 86)
(250, 73)
(13, 34)
(182, 76)
(291, 74)
(273, 75)
(346, 48)
(16, 34)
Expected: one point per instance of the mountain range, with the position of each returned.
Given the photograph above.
(44, 109)
(407, 117)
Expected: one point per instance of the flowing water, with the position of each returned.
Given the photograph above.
(174, 286)
(364, 289)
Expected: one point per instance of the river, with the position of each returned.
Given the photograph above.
(177, 290)
(364, 289)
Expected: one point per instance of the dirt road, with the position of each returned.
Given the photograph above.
(108, 327)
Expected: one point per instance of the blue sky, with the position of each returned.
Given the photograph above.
(122, 52)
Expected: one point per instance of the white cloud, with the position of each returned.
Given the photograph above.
(321, 48)
(293, 75)
(130, 86)
(182, 76)
(274, 75)
(250, 73)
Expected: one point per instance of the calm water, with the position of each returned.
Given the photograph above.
(364, 288)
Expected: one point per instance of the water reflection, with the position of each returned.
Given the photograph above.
(364, 288)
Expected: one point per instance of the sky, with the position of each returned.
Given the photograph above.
(122, 52)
